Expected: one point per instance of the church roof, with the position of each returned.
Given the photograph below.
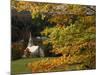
(33, 48)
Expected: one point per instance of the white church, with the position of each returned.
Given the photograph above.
(33, 50)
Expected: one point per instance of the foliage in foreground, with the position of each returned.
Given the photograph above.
(82, 62)
(75, 45)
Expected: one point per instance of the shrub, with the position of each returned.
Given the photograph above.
(17, 50)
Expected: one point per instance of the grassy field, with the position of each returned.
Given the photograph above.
(20, 66)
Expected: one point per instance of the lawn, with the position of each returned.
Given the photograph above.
(20, 66)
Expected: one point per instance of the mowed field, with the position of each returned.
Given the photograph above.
(20, 66)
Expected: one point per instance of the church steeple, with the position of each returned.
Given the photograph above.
(30, 42)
